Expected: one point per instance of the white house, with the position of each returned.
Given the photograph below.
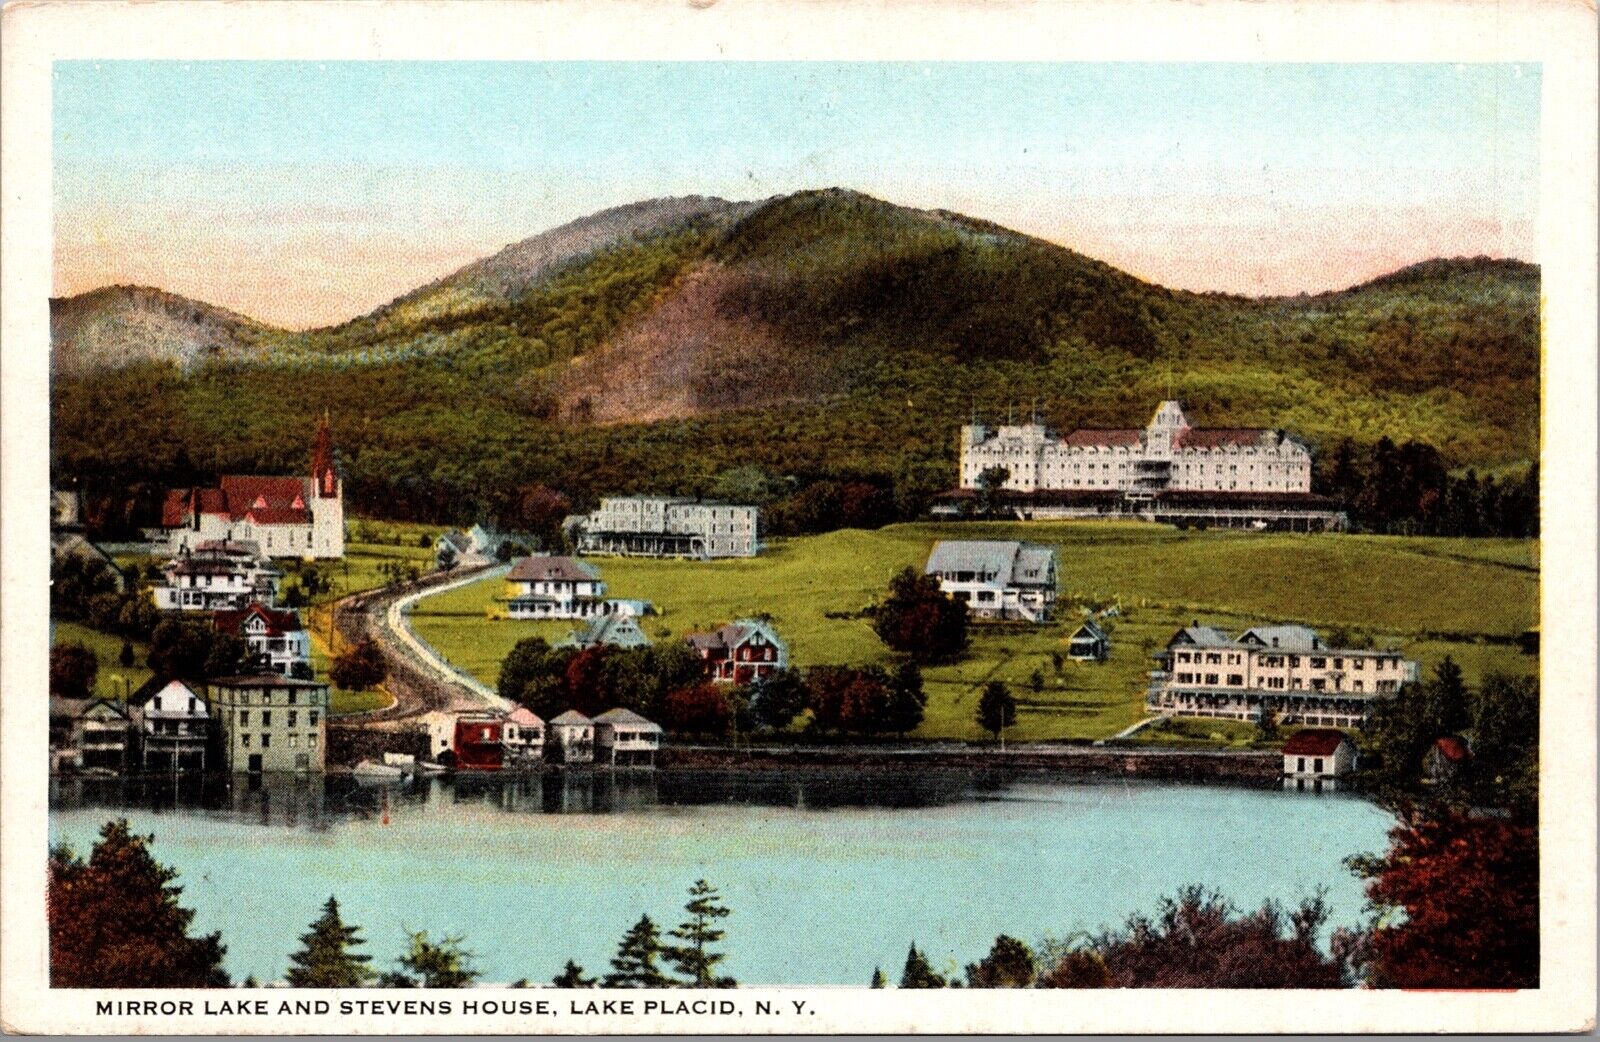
(552, 587)
(216, 576)
(287, 516)
(276, 638)
(1089, 643)
(622, 736)
(523, 736)
(740, 652)
(173, 723)
(997, 579)
(620, 630)
(570, 738)
(1317, 757)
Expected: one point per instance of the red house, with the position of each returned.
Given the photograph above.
(741, 651)
(477, 743)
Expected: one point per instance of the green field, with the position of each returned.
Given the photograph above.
(114, 681)
(1465, 598)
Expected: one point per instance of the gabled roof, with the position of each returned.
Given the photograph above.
(571, 716)
(61, 706)
(266, 500)
(1090, 628)
(279, 621)
(1315, 741)
(1202, 636)
(625, 717)
(1452, 748)
(524, 717)
(457, 539)
(618, 630)
(1283, 638)
(732, 635)
(549, 568)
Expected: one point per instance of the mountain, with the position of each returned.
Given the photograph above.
(115, 326)
(820, 333)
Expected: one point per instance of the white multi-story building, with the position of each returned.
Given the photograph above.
(997, 579)
(1166, 454)
(216, 577)
(271, 723)
(624, 738)
(286, 516)
(1287, 672)
(670, 526)
(551, 587)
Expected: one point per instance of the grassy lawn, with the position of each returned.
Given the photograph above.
(1430, 596)
(114, 681)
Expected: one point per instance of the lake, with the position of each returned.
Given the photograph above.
(828, 876)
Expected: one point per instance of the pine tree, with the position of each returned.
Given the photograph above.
(919, 972)
(571, 976)
(904, 708)
(997, 710)
(634, 965)
(693, 960)
(878, 979)
(325, 958)
(445, 964)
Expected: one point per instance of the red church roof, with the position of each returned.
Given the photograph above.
(269, 501)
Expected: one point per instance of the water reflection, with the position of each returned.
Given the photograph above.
(314, 803)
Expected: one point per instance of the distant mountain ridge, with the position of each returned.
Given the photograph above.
(823, 332)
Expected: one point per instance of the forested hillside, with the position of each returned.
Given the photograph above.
(825, 335)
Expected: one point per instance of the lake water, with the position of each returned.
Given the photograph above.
(827, 878)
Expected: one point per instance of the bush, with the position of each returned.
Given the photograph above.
(360, 668)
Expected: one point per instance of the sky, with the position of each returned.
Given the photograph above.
(306, 193)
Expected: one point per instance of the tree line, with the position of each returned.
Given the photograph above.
(1408, 489)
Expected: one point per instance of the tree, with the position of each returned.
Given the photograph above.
(1446, 709)
(747, 484)
(73, 669)
(115, 921)
(361, 667)
(997, 710)
(1469, 891)
(990, 484)
(430, 964)
(1505, 744)
(571, 976)
(693, 959)
(878, 979)
(326, 958)
(778, 698)
(918, 972)
(906, 702)
(1009, 964)
(919, 620)
(634, 965)
(1199, 940)
(539, 512)
(193, 649)
(701, 710)
(533, 674)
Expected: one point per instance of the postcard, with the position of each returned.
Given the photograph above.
(764, 517)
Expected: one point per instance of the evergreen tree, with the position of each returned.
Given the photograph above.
(692, 959)
(918, 972)
(634, 965)
(997, 710)
(325, 958)
(903, 711)
(1446, 708)
(115, 921)
(878, 979)
(571, 976)
(125, 656)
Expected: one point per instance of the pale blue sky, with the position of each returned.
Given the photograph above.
(162, 166)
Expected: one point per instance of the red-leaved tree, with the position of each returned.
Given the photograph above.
(699, 709)
(1468, 888)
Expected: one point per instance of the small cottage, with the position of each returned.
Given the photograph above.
(616, 631)
(523, 737)
(1088, 643)
(1318, 756)
(624, 738)
(570, 738)
(88, 734)
(479, 743)
(1445, 759)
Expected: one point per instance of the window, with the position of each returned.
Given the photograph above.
(1301, 765)
(292, 696)
(1318, 765)
(292, 716)
(294, 741)
(311, 741)
(1211, 678)
(244, 741)
(244, 716)
(266, 740)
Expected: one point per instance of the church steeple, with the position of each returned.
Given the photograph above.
(323, 476)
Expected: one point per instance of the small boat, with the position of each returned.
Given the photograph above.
(371, 770)
(427, 767)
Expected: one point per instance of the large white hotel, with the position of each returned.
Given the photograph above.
(1169, 470)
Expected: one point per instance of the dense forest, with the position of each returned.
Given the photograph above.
(824, 337)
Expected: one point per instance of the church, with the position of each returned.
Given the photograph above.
(283, 516)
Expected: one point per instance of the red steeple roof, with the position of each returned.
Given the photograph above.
(323, 478)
